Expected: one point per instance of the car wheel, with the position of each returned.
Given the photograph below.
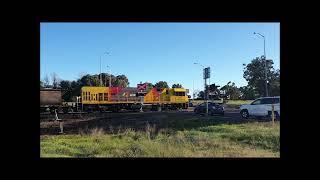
(244, 114)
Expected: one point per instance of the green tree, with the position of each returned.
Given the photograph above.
(90, 80)
(76, 87)
(200, 95)
(55, 80)
(231, 90)
(176, 86)
(274, 84)
(66, 90)
(254, 73)
(149, 86)
(248, 93)
(161, 84)
(46, 81)
(121, 81)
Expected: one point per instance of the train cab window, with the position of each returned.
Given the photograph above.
(179, 93)
(167, 91)
(91, 97)
(105, 96)
(96, 97)
(100, 96)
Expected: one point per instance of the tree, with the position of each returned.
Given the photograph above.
(122, 81)
(176, 86)
(46, 81)
(231, 90)
(274, 84)
(89, 80)
(254, 73)
(195, 94)
(76, 87)
(55, 80)
(149, 86)
(248, 93)
(66, 90)
(200, 95)
(161, 84)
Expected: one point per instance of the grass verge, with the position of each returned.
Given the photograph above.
(255, 139)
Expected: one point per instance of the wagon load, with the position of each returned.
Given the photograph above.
(50, 97)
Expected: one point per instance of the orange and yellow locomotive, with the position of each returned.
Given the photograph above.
(130, 98)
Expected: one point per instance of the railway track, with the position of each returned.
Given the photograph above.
(84, 115)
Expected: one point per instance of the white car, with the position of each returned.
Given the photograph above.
(261, 107)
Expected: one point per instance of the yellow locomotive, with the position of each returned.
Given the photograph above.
(131, 98)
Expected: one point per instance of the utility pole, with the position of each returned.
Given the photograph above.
(265, 61)
(205, 91)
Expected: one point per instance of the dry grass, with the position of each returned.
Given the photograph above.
(242, 140)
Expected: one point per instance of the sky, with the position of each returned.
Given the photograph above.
(151, 52)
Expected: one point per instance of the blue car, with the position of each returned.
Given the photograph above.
(213, 108)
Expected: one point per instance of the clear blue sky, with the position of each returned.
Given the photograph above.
(150, 52)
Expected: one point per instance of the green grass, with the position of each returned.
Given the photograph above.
(204, 140)
(230, 103)
(239, 102)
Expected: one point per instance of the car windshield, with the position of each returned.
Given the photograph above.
(256, 102)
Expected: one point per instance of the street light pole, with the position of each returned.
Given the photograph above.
(265, 61)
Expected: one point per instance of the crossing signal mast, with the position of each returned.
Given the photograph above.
(206, 75)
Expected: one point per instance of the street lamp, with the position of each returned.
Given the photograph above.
(100, 67)
(265, 60)
(205, 84)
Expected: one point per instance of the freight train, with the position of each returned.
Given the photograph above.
(50, 99)
(118, 98)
